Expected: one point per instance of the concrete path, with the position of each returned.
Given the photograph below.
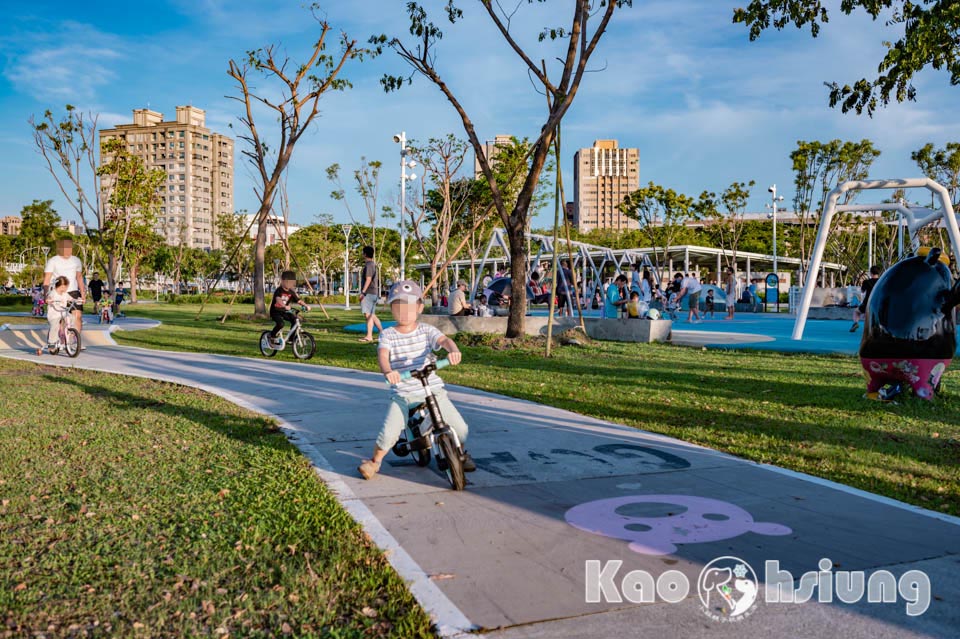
(29, 337)
(508, 557)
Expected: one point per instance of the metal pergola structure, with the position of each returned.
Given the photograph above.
(590, 261)
(916, 218)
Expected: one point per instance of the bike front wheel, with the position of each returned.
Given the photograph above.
(304, 346)
(451, 455)
(72, 342)
(265, 347)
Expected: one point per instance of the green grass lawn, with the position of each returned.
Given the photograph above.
(22, 320)
(802, 412)
(138, 508)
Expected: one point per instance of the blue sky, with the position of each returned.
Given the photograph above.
(704, 105)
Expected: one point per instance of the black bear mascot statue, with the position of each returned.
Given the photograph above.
(909, 335)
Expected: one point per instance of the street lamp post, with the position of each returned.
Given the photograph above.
(401, 139)
(773, 207)
(346, 264)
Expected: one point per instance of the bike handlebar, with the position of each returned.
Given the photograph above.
(439, 364)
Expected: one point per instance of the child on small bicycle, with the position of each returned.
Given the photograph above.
(57, 301)
(405, 347)
(38, 302)
(283, 297)
(105, 310)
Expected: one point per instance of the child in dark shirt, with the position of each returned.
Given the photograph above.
(283, 297)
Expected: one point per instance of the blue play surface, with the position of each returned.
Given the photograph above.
(819, 336)
(362, 327)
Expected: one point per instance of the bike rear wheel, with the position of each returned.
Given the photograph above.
(72, 342)
(454, 464)
(304, 345)
(265, 348)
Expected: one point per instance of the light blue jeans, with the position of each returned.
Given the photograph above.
(397, 414)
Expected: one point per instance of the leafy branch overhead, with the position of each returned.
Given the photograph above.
(929, 39)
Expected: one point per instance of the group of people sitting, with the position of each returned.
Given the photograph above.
(458, 305)
(638, 297)
(633, 294)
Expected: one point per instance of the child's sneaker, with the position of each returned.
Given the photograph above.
(468, 464)
(856, 325)
(368, 468)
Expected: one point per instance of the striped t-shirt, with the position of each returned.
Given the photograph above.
(408, 352)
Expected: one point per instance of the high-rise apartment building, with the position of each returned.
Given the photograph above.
(10, 225)
(603, 175)
(277, 231)
(199, 168)
(491, 148)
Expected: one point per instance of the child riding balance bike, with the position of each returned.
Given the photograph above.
(405, 350)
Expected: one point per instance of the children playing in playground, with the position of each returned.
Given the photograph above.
(633, 306)
(673, 303)
(283, 297)
(480, 305)
(405, 347)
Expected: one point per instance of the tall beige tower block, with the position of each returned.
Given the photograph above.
(603, 175)
(199, 167)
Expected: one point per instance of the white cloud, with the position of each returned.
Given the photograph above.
(70, 63)
(678, 80)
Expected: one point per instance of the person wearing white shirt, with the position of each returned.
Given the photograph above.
(66, 264)
(690, 286)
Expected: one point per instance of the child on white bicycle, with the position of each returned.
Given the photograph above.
(283, 297)
(57, 301)
(405, 347)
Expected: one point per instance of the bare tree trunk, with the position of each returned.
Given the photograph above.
(134, 281)
(112, 273)
(518, 274)
(260, 254)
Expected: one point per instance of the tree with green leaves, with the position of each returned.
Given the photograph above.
(513, 162)
(433, 216)
(298, 88)
(941, 166)
(581, 35)
(925, 32)
(366, 184)
(39, 226)
(818, 168)
(727, 219)
(131, 203)
(319, 247)
(236, 241)
(661, 213)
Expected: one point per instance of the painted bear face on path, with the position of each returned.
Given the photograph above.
(655, 524)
